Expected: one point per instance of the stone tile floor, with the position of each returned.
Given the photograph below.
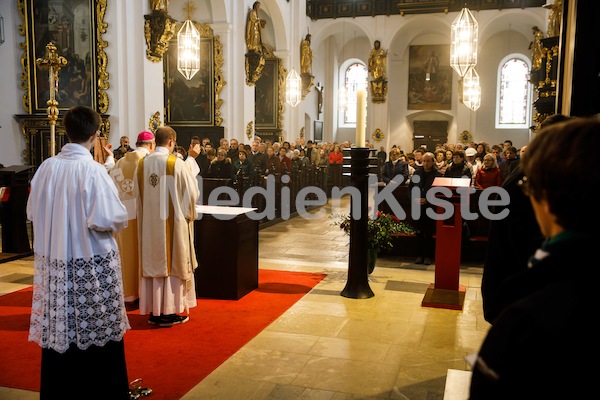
(331, 347)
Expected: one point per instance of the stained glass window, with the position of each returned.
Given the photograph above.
(514, 95)
(355, 77)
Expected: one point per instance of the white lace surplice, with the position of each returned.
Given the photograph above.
(77, 288)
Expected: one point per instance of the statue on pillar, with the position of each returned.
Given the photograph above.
(255, 61)
(306, 56)
(377, 69)
(554, 18)
(536, 48)
(159, 5)
(159, 28)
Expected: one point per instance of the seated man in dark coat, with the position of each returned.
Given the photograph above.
(395, 167)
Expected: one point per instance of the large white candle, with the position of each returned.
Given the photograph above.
(361, 117)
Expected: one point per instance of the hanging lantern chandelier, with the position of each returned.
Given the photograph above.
(471, 95)
(188, 48)
(463, 46)
(293, 93)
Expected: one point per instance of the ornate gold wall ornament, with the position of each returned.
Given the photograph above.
(378, 135)
(308, 82)
(99, 75)
(379, 89)
(218, 74)
(159, 28)
(101, 57)
(255, 62)
(281, 101)
(250, 130)
(465, 137)
(154, 122)
(302, 133)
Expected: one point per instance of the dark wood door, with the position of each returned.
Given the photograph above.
(428, 134)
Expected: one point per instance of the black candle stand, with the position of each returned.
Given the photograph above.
(357, 286)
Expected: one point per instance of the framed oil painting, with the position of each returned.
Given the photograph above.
(267, 95)
(429, 78)
(318, 131)
(76, 28)
(190, 102)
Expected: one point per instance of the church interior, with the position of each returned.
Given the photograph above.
(297, 82)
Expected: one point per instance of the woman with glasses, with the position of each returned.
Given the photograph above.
(489, 174)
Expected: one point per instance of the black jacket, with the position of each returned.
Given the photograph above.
(540, 346)
(220, 169)
(259, 160)
(511, 241)
(458, 170)
(390, 171)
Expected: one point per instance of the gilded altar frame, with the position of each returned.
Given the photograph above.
(196, 102)
(77, 29)
(269, 96)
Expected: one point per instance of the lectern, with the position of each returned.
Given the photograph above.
(226, 241)
(15, 179)
(446, 292)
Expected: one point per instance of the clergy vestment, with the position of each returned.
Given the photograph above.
(166, 198)
(123, 175)
(77, 313)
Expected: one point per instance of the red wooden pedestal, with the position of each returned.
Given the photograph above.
(446, 292)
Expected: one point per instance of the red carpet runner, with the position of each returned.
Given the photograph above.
(171, 361)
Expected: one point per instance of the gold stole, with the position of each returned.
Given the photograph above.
(171, 219)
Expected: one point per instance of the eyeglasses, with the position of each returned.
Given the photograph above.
(523, 184)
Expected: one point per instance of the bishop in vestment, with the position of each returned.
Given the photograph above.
(123, 175)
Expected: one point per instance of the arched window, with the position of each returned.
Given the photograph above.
(353, 77)
(513, 98)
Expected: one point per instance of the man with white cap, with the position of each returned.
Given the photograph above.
(123, 174)
(475, 164)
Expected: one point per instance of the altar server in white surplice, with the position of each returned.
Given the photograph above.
(124, 176)
(167, 191)
(77, 311)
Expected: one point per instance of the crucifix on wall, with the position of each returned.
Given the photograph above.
(319, 90)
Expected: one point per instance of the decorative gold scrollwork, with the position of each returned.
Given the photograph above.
(250, 130)
(159, 28)
(378, 135)
(154, 122)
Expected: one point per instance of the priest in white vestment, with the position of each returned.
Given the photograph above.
(166, 192)
(124, 177)
(77, 312)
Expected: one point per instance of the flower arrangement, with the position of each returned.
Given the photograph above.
(380, 230)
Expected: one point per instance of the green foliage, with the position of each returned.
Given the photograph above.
(380, 230)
